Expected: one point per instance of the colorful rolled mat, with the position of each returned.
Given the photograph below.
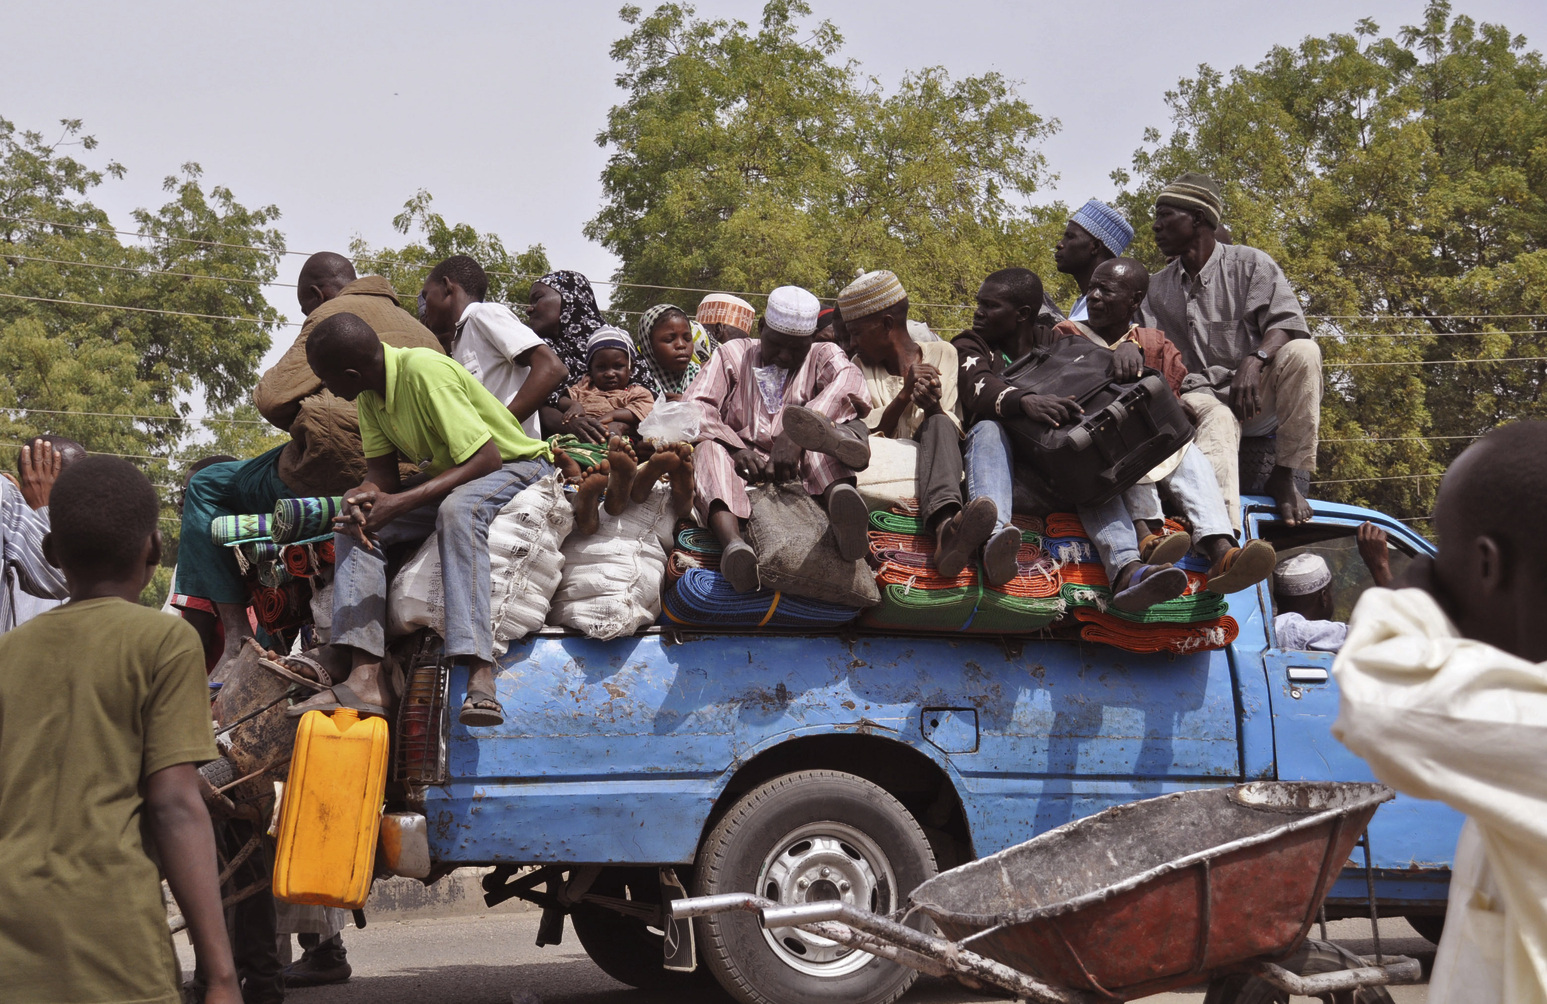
(299, 521)
(1178, 638)
(1065, 548)
(1085, 573)
(274, 574)
(298, 561)
(257, 552)
(228, 531)
(1029, 524)
(702, 598)
(587, 455)
(679, 562)
(282, 607)
(892, 522)
(1203, 606)
(1064, 524)
(924, 576)
(698, 540)
(324, 551)
(970, 609)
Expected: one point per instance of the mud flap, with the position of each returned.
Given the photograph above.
(680, 954)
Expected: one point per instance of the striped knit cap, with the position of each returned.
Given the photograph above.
(1194, 191)
(1105, 224)
(723, 308)
(608, 337)
(871, 292)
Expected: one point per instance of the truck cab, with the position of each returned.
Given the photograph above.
(854, 765)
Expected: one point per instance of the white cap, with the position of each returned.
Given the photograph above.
(1301, 575)
(792, 311)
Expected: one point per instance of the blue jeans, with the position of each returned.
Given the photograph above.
(990, 468)
(1195, 489)
(462, 521)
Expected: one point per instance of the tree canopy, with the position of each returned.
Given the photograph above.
(744, 159)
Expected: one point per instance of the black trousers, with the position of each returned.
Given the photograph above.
(938, 469)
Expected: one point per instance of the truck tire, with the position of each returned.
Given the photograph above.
(1312, 958)
(1258, 455)
(627, 948)
(1429, 925)
(809, 836)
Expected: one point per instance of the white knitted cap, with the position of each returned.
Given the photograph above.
(792, 311)
(1301, 575)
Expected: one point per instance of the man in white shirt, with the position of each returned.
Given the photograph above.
(1444, 694)
(1304, 599)
(490, 342)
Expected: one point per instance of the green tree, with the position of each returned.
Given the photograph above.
(510, 275)
(1402, 184)
(746, 159)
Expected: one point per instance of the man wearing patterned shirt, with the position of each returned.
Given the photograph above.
(30, 585)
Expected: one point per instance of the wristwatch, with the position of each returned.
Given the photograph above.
(1263, 357)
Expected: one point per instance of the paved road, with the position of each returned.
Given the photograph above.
(491, 959)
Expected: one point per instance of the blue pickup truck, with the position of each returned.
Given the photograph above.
(853, 765)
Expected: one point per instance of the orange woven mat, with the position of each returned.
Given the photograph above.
(1177, 638)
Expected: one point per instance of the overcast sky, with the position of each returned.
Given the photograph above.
(338, 112)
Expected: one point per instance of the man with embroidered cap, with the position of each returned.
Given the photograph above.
(725, 317)
(1094, 234)
(1253, 368)
(748, 394)
(1304, 598)
(912, 388)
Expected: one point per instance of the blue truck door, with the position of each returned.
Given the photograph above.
(1408, 834)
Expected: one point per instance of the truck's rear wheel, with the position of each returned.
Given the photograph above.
(810, 836)
(626, 948)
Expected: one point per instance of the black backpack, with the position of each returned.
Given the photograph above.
(1128, 427)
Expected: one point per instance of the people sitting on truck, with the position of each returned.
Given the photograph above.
(489, 340)
(1443, 692)
(674, 348)
(563, 312)
(777, 408)
(475, 457)
(913, 396)
(1142, 571)
(322, 457)
(29, 585)
(1094, 234)
(1304, 598)
(621, 477)
(725, 317)
(1009, 303)
(1253, 368)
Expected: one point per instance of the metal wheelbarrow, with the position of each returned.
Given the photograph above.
(1133, 901)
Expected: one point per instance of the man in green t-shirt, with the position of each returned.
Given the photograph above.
(424, 407)
(104, 717)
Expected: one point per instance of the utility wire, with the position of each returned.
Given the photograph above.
(149, 310)
(143, 271)
(145, 418)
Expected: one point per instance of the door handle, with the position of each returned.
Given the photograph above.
(1307, 674)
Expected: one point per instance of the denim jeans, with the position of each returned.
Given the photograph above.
(1195, 489)
(462, 521)
(990, 468)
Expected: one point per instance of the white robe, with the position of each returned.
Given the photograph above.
(1440, 716)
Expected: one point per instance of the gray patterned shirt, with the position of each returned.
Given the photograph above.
(1219, 316)
(23, 569)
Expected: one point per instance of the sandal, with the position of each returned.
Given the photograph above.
(961, 536)
(481, 710)
(322, 681)
(738, 564)
(815, 432)
(850, 520)
(1164, 549)
(341, 697)
(1242, 567)
(1151, 584)
(1001, 556)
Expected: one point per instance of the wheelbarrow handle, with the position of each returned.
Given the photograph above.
(1398, 969)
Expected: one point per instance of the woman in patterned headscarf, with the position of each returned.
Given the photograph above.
(564, 314)
(673, 348)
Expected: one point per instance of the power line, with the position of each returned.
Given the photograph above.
(1397, 439)
(149, 310)
(1432, 334)
(104, 453)
(145, 418)
(1388, 477)
(1446, 362)
(144, 271)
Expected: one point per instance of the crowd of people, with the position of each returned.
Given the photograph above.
(432, 421)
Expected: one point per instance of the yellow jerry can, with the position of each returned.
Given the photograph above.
(331, 810)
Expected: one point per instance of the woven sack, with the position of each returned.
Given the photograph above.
(612, 578)
(796, 553)
(890, 478)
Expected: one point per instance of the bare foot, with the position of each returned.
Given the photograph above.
(620, 456)
(567, 466)
(662, 461)
(682, 479)
(1292, 507)
(591, 486)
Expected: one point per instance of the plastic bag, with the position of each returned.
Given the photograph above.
(670, 422)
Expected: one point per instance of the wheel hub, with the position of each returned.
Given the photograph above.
(825, 862)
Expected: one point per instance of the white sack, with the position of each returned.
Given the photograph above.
(525, 566)
(612, 578)
(890, 476)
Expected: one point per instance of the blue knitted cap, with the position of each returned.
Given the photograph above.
(1105, 224)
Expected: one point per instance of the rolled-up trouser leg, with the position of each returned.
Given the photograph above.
(938, 468)
(1196, 490)
(1110, 529)
(360, 581)
(1219, 437)
(1291, 404)
(989, 466)
(462, 533)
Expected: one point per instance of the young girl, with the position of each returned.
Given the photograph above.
(607, 392)
(673, 348)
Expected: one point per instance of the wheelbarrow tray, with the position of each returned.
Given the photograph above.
(1153, 895)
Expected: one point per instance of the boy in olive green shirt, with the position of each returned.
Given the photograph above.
(423, 406)
(104, 716)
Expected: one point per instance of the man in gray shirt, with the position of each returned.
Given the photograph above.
(1253, 369)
